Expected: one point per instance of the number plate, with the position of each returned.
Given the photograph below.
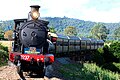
(31, 50)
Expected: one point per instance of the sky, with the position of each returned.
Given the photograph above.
(89, 10)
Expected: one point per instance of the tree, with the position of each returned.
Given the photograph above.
(8, 34)
(117, 33)
(1, 34)
(100, 31)
(52, 29)
(115, 49)
(70, 31)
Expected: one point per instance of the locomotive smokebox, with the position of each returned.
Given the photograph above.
(33, 33)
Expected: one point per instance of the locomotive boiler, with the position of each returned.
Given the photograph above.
(30, 48)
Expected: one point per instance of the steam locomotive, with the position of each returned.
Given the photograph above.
(33, 44)
(30, 48)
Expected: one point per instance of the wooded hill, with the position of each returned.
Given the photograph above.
(83, 27)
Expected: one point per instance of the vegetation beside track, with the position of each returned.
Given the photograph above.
(3, 55)
(87, 71)
(108, 57)
(105, 66)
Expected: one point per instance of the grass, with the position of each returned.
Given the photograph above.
(87, 71)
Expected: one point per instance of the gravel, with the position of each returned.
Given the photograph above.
(52, 73)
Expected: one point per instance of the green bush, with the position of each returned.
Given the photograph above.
(111, 66)
(99, 73)
(108, 55)
(117, 65)
(98, 58)
(87, 71)
(3, 57)
(115, 49)
(100, 50)
(3, 47)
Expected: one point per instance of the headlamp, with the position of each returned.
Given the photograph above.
(35, 15)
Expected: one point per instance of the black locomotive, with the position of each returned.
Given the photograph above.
(30, 46)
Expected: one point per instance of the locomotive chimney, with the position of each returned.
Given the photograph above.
(35, 8)
(34, 13)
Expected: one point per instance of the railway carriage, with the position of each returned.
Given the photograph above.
(67, 45)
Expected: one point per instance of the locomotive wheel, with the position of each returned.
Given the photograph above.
(41, 73)
(19, 69)
(20, 72)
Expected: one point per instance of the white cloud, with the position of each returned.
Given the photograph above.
(12, 9)
(78, 9)
(112, 15)
(62, 7)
